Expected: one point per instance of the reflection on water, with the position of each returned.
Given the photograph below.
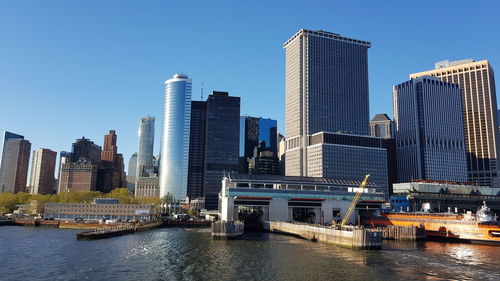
(191, 254)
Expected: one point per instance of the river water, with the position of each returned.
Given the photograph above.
(190, 254)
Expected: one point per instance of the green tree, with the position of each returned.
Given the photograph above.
(8, 202)
(122, 194)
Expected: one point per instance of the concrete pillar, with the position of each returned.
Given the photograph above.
(278, 209)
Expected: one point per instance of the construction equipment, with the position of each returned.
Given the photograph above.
(354, 202)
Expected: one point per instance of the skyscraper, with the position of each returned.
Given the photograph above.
(479, 104)
(175, 137)
(145, 157)
(222, 143)
(196, 170)
(111, 173)
(326, 90)
(15, 162)
(382, 126)
(429, 131)
(42, 171)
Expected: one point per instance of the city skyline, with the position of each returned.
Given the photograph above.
(109, 75)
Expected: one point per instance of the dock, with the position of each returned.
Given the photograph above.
(227, 230)
(356, 238)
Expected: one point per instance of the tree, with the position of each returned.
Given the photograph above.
(122, 194)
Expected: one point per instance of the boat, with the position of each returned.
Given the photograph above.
(481, 227)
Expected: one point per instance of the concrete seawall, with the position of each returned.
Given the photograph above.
(355, 238)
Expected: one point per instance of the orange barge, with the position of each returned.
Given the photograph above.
(481, 227)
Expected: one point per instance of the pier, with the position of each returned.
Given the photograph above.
(117, 230)
(407, 233)
(353, 237)
(227, 230)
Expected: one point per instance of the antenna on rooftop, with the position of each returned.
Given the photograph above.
(201, 91)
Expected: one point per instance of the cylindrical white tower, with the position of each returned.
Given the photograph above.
(175, 137)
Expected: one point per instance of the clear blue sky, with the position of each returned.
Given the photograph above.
(79, 68)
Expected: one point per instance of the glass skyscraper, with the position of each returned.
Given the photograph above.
(175, 137)
(145, 150)
(254, 130)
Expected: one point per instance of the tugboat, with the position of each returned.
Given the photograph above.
(481, 227)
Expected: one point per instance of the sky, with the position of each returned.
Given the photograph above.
(80, 68)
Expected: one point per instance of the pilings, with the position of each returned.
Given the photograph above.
(227, 230)
(408, 233)
(351, 237)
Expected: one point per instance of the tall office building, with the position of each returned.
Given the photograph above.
(145, 157)
(78, 176)
(109, 152)
(196, 167)
(326, 90)
(85, 149)
(175, 137)
(222, 143)
(479, 104)
(429, 130)
(257, 132)
(64, 158)
(382, 126)
(15, 162)
(43, 167)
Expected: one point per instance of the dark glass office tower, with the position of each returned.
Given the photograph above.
(197, 149)
(222, 143)
(256, 132)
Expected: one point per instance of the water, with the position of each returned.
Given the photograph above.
(190, 254)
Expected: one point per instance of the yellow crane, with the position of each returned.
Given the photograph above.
(354, 202)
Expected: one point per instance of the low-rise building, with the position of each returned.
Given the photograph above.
(443, 196)
(293, 198)
(96, 211)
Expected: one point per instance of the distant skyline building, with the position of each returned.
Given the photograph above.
(479, 106)
(382, 126)
(15, 162)
(64, 158)
(43, 167)
(175, 137)
(326, 89)
(147, 187)
(111, 173)
(132, 169)
(222, 143)
(429, 131)
(255, 132)
(85, 149)
(144, 164)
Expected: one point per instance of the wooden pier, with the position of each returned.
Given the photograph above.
(357, 238)
(227, 230)
(115, 231)
(407, 233)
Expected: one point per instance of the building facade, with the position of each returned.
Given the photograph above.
(98, 211)
(479, 104)
(197, 135)
(131, 173)
(111, 170)
(78, 176)
(293, 199)
(147, 187)
(175, 137)
(256, 132)
(43, 167)
(382, 126)
(144, 164)
(15, 162)
(326, 90)
(429, 131)
(351, 157)
(222, 143)
(85, 149)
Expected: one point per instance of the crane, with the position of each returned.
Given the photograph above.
(354, 201)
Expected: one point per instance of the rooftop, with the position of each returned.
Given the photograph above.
(381, 117)
(296, 180)
(326, 34)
